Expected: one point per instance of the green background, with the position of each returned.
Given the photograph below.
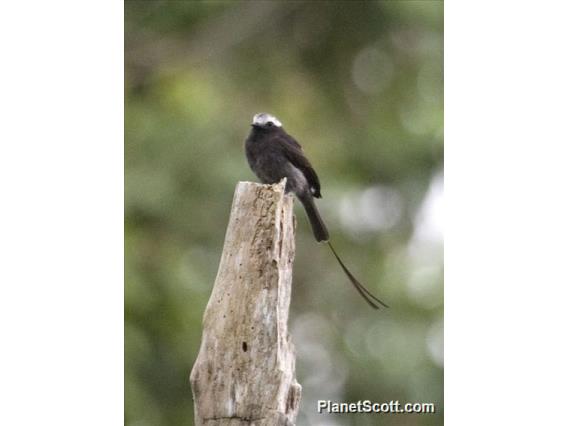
(360, 85)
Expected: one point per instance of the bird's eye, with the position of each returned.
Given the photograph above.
(270, 124)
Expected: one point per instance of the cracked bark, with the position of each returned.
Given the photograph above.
(245, 371)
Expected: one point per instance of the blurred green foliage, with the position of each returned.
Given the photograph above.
(359, 84)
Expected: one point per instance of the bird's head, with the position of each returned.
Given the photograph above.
(265, 121)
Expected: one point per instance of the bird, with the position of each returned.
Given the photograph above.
(273, 154)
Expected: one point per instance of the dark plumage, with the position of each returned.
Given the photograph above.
(273, 155)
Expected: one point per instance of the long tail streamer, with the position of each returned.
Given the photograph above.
(366, 294)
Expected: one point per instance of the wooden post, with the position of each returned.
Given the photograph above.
(245, 371)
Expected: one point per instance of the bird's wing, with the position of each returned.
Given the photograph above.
(291, 141)
(293, 152)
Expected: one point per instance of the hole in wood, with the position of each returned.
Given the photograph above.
(245, 347)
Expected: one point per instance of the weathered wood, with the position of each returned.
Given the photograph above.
(245, 371)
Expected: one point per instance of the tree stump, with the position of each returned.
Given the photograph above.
(245, 371)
